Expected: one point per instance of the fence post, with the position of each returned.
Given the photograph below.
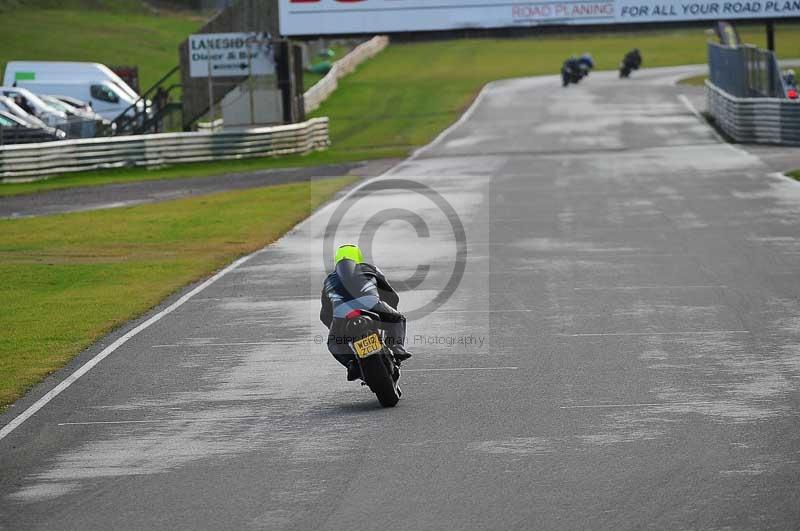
(771, 35)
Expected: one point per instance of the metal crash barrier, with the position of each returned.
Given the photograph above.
(757, 120)
(66, 156)
(747, 96)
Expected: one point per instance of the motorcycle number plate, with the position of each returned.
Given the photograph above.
(367, 346)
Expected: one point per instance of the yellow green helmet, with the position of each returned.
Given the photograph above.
(348, 252)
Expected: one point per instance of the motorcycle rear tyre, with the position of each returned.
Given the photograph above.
(378, 371)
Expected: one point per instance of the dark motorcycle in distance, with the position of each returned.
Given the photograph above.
(632, 61)
(379, 370)
(576, 68)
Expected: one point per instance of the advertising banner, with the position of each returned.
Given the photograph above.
(331, 17)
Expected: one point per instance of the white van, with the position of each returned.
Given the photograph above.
(109, 95)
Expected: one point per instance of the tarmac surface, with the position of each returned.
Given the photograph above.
(622, 350)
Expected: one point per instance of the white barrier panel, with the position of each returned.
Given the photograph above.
(331, 17)
(325, 86)
(65, 156)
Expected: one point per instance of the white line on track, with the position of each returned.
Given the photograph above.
(86, 367)
(654, 404)
(689, 105)
(484, 311)
(197, 345)
(158, 421)
(786, 178)
(462, 369)
(687, 333)
(601, 288)
(464, 117)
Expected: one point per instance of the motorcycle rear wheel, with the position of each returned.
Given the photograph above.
(378, 370)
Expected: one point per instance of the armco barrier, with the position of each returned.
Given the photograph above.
(756, 120)
(745, 71)
(325, 86)
(64, 156)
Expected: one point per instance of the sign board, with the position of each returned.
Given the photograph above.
(329, 17)
(230, 54)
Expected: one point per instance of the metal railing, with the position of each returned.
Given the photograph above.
(747, 96)
(745, 71)
(756, 120)
(65, 156)
(144, 114)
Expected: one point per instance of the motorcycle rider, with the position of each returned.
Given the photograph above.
(789, 78)
(570, 70)
(586, 63)
(632, 60)
(357, 285)
(576, 68)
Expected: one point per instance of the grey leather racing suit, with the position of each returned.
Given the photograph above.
(362, 286)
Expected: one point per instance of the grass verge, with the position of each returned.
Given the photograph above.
(135, 38)
(69, 279)
(694, 81)
(794, 174)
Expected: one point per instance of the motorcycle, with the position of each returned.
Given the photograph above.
(379, 370)
(573, 72)
(625, 69)
(572, 75)
(632, 61)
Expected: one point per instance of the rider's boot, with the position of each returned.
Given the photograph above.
(353, 371)
(400, 353)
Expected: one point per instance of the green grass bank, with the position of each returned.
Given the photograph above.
(118, 35)
(70, 279)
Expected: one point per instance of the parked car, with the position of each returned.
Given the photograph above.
(15, 130)
(9, 105)
(83, 122)
(75, 102)
(95, 83)
(68, 109)
(9, 120)
(33, 104)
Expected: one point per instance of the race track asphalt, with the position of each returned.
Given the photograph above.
(621, 352)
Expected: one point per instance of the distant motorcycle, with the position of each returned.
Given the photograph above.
(380, 372)
(576, 68)
(632, 61)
